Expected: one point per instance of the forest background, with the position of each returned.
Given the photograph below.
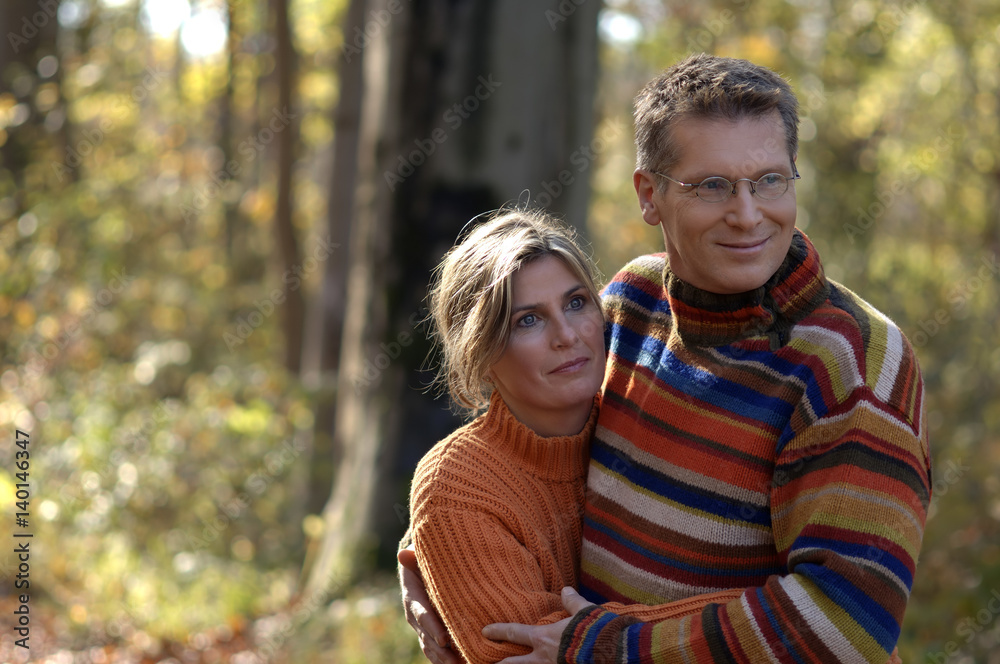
(217, 222)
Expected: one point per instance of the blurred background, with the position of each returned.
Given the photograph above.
(217, 224)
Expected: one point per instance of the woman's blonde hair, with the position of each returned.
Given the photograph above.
(470, 295)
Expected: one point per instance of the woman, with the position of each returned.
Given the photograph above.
(496, 506)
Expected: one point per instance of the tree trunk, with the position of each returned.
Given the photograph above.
(293, 316)
(465, 105)
(333, 294)
(30, 33)
(227, 121)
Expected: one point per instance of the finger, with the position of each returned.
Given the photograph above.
(513, 632)
(408, 559)
(417, 605)
(430, 624)
(436, 653)
(573, 601)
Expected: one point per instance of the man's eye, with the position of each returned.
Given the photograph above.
(714, 184)
(770, 179)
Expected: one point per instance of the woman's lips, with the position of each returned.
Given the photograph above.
(571, 366)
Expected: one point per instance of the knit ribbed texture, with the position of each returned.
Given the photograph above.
(769, 442)
(496, 523)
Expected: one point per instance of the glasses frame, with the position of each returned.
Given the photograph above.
(733, 191)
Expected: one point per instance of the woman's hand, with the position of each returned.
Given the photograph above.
(542, 639)
(420, 612)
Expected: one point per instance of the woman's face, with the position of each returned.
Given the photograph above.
(553, 364)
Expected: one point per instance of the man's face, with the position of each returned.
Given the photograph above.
(738, 244)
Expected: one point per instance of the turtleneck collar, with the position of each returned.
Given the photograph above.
(555, 458)
(701, 318)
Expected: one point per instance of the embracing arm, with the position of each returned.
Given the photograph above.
(419, 610)
(848, 505)
(478, 570)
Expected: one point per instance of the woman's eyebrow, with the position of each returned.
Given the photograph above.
(536, 305)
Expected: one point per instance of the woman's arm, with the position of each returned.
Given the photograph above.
(477, 572)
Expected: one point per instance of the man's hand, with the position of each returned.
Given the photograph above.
(542, 639)
(420, 612)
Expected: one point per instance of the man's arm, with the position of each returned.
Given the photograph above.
(848, 507)
(457, 581)
(420, 612)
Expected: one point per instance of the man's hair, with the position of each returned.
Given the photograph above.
(471, 295)
(707, 87)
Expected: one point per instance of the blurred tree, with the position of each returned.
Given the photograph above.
(463, 106)
(29, 62)
(332, 305)
(288, 247)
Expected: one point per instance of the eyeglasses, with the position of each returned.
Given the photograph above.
(718, 189)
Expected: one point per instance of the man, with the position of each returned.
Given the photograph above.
(761, 426)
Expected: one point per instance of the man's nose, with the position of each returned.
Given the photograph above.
(744, 206)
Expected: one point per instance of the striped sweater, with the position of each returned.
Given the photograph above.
(771, 442)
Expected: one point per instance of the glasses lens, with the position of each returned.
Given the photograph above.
(715, 190)
(771, 186)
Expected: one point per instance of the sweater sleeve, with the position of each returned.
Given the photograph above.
(475, 566)
(849, 500)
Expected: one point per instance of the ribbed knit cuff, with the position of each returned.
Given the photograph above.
(593, 636)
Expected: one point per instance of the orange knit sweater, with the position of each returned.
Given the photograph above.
(496, 525)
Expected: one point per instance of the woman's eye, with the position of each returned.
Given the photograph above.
(577, 302)
(527, 321)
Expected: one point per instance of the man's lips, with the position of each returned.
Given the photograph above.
(744, 245)
(570, 366)
(752, 244)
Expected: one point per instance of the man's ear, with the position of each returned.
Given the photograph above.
(645, 187)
